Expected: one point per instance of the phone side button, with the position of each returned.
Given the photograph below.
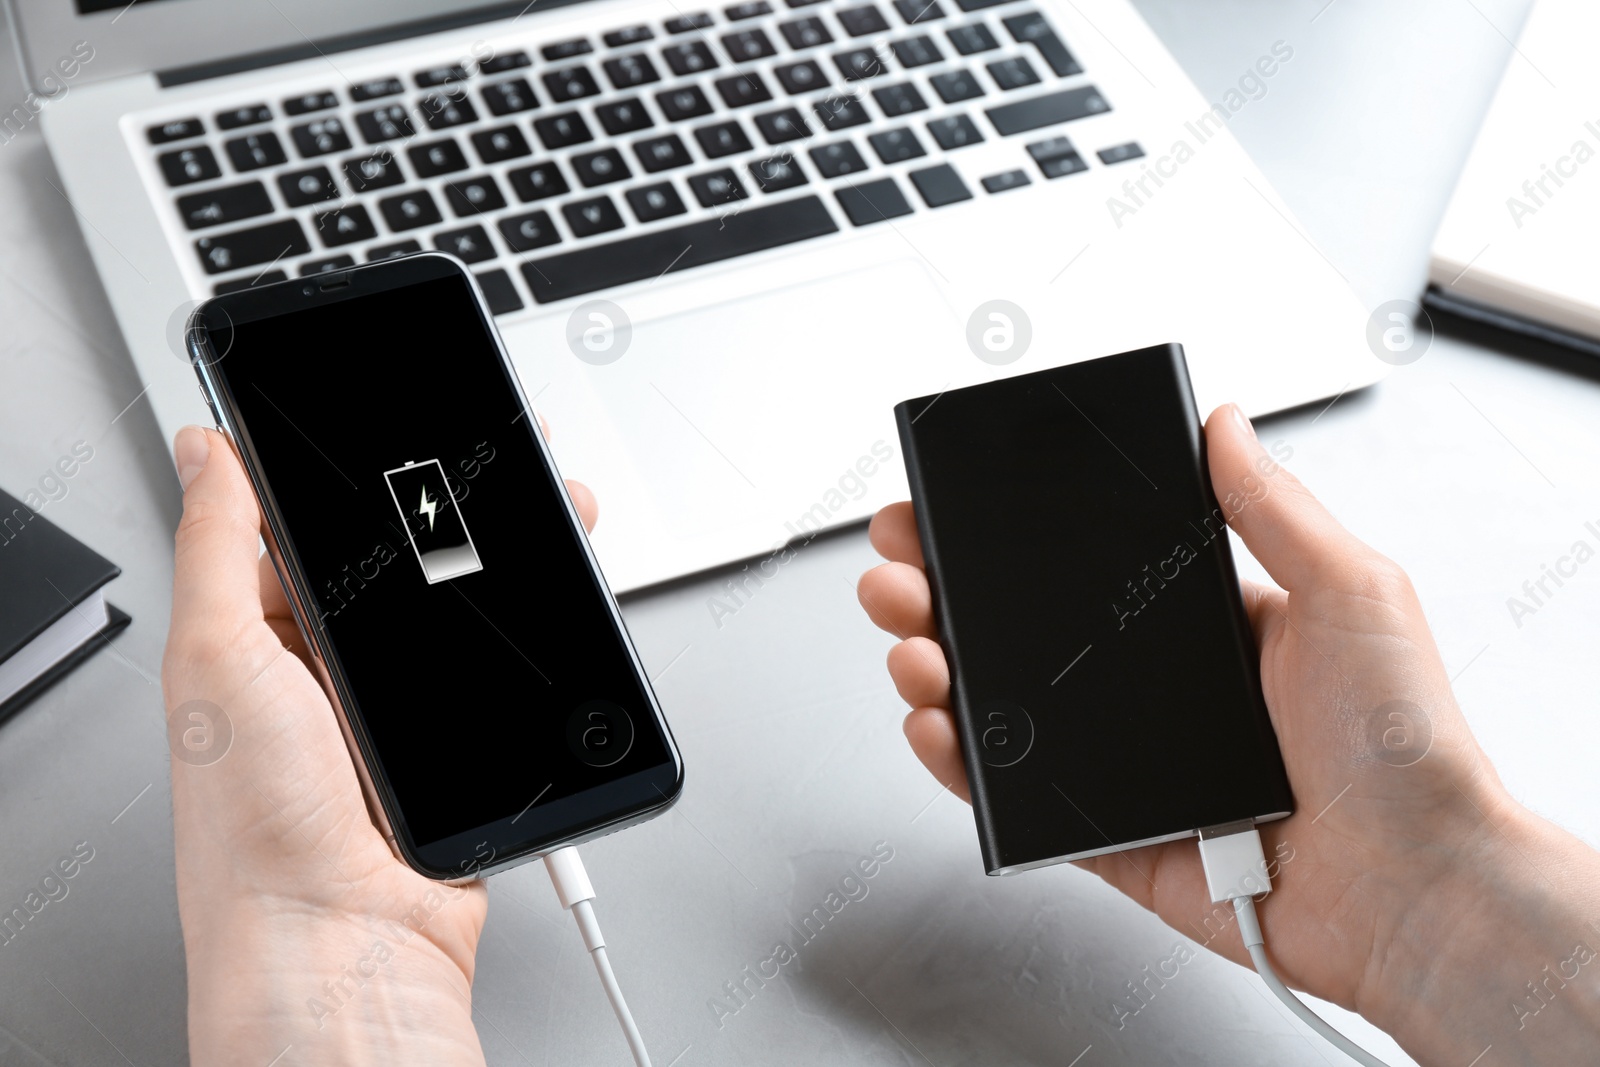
(210, 406)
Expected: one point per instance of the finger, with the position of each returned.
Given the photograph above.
(893, 533)
(897, 599)
(583, 499)
(544, 427)
(933, 737)
(920, 674)
(216, 587)
(1266, 606)
(1280, 521)
(274, 603)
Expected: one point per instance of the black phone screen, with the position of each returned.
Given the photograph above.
(468, 632)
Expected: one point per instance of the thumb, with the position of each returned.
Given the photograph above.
(1283, 525)
(216, 581)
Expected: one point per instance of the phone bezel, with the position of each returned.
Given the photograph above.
(284, 298)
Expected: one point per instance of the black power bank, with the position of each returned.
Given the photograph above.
(1103, 673)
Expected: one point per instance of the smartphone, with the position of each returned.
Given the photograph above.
(487, 688)
(1104, 677)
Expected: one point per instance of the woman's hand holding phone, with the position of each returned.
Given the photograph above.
(1409, 886)
(301, 928)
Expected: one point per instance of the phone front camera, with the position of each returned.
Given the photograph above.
(306, 290)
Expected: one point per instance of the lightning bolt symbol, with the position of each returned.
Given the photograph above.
(429, 506)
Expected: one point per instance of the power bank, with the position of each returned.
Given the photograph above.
(1103, 673)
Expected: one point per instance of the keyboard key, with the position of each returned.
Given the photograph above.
(840, 112)
(1051, 148)
(538, 181)
(897, 100)
(628, 35)
(437, 157)
(304, 105)
(780, 126)
(624, 116)
(722, 139)
(377, 171)
(749, 10)
(256, 151)
(978, 5)
(862, 21)
(230, 203)
(940, 185)
(428, 79)
(249, 115)
(685, 103)
(896, 146)
(652, 202)
(688, 23)
(626, 72)
(872, 202)
(474, 196)
(838, 159)
(1013, 73)
(578, 46)
(717, 187)
(801, 3)
(409, 210)
(223, 252)
(1061, 166)
(747, 45)
(468, 244)
(972, 38)
(954, 132)
(573, 83)
(956, 85)
(500, 144)
(801, 77)
(394, 251)
(805, 33)
(917, 51)
(589, 217)
(600, 168)
(743, 89)
(695, 244)
(1120, 153)
(524, 233)
(442, 111)
(509, 96)
(320, 137)
(689, 57)
(343, 226)
(499, 292)
(560, 131)
(388, 123)
(859, 64)
(238, 284)
(778, 173)
(302, 187)
(1047, 110)
(324, 266)
(1011, 179)
(377, 87)
(506, 61)
(914, 11)
(188, 165)
(176, 130)
(1031, 28)
(661, 153)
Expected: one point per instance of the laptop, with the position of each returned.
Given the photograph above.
(1512, 249)
(721, 242)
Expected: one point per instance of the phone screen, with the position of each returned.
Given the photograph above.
(468, 632)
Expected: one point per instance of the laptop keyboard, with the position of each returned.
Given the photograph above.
(651, 148)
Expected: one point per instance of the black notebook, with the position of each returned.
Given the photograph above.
(54, 612)
(1102, 669)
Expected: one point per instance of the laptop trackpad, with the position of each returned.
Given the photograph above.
(751, 410)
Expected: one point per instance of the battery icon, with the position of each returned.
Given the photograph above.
(432, 520)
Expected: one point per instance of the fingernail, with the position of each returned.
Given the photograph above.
(1244, 423)
(190, 450)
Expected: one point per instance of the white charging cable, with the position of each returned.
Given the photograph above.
(1236, 870)
(575, 891)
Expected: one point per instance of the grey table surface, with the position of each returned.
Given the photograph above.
(1473, 467)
